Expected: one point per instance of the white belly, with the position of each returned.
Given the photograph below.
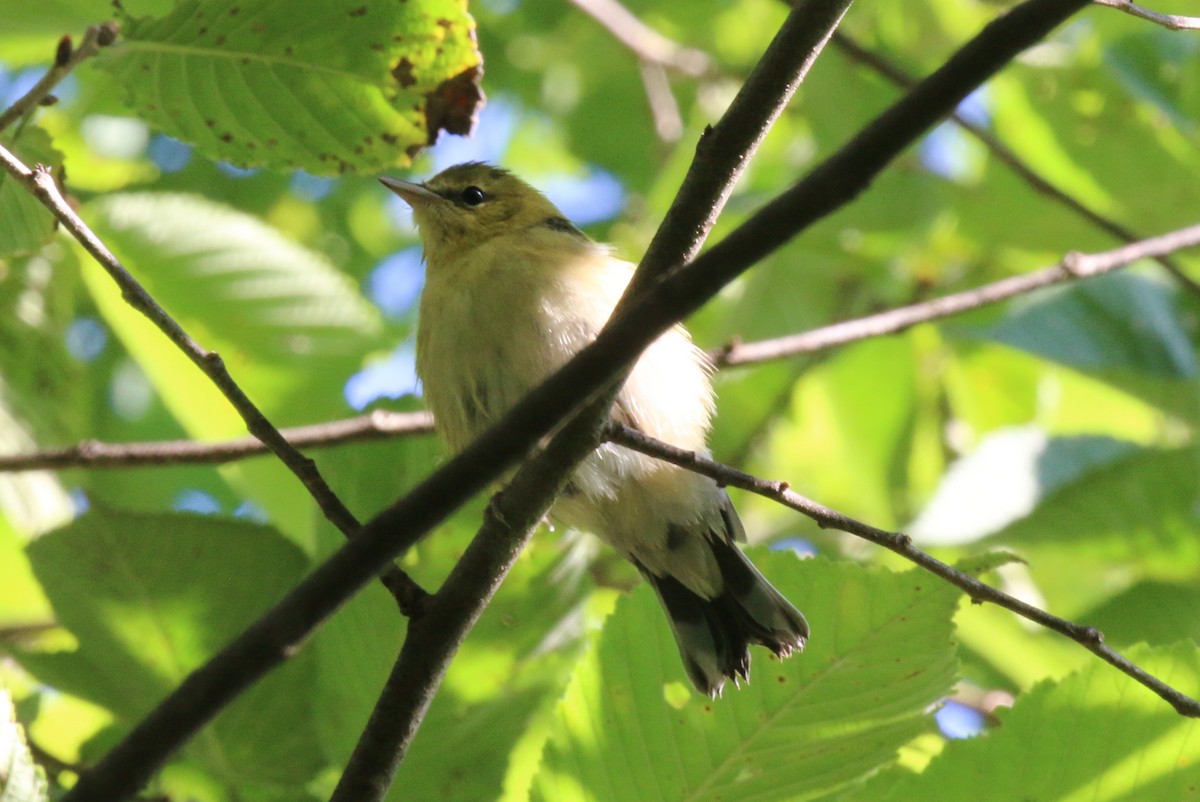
(487, 335)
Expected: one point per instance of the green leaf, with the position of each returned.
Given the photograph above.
(150, 598)
(1140, 508)
(22, 601)
(880, 655)
(236, 280)
(513, 663)
(967, 505)
(21, 779)
(1151, 611)
(1096, 735)
(1129, 330)
(290, 327)
(25, 224)
(854, 435)
(342, 86)
(1148, 63)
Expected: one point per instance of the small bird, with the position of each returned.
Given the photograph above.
(512, 291)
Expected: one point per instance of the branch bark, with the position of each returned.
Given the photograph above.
(1175, 22)
(92, 454)
(66, 58)
(1073, 266)
(650, 46)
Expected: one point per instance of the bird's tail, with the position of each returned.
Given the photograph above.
(714, 634)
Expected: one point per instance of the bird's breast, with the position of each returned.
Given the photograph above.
(492, 328)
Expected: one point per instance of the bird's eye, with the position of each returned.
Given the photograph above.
(473, 196)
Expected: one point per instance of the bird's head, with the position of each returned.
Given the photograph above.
(466, 205)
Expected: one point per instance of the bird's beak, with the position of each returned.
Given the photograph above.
(413, 194)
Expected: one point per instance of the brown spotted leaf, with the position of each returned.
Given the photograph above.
(332, 87)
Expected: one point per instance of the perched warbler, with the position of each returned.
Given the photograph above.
(512, 291)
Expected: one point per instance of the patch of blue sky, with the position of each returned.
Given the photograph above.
(234, 171)
(951, 152)
(15, 84)
(976, 107)
(86, 338)
(168, 153)
(193, 500)
(946, 151)
(249, 511)
(396, 282)
(80, 503)
(393, 377)
(958, 721)
(497, 124)
(308, 187)
(801, 546)
(593, 198)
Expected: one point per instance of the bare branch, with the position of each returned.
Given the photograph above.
(979, 592)
(663, 106)
(65, 60)
(1073, 266)
(282, 629)
(376, 425)
(650, 46)
(1175, 22)
(656, 55)
(41, 184)
(881, 66)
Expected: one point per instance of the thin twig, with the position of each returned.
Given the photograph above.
(826, 518)
(1175, 22)
(65, 60)
(282, 629)
(41, 184)
(1073, 266)
(647, 44)
(91, 454)
(656, 54)
(668, 124)
(1006, 156)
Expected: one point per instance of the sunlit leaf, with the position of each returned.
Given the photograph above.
(331, 88)
(879, 656)
(1005, 479)
(1140, 507)
(290, 328)
(1096, 735)
(1130, 330)
(151, 597)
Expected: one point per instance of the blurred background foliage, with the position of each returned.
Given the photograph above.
(1060, 427)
